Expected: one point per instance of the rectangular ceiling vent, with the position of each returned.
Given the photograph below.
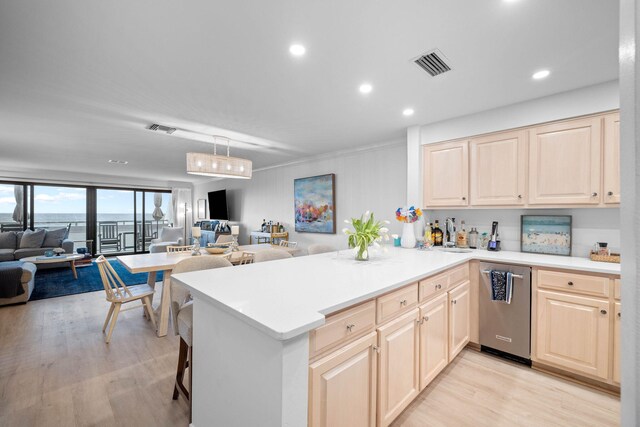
(433, 62)
(161, 128)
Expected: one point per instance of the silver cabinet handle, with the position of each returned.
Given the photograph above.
(426, 318)
(603, 311)
(376, 348)
(350, 327)
(453, 301)
(403, 302)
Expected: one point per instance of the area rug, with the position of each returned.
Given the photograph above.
(57, 282)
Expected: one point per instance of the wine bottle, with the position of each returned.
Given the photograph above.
(437, 234)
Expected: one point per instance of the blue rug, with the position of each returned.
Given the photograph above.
(57, 282)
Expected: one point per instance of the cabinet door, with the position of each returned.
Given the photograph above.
(398, 376)
(445, 172)
(612, 158)
(573, 332)
(564, 163)
(342, 386)
(498, 165)
(616, 342)
(434, 337)
(459, 319)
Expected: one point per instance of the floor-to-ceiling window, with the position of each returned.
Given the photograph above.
(115, 213)
(13, 215)
(57, 207)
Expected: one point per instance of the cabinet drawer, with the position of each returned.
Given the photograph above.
(390, 305)
(433, 285)
(458, 275)
(572, 282)
(616, 288)
(343, 326)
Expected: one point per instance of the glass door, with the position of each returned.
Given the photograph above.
(115, 217)
(152, 211)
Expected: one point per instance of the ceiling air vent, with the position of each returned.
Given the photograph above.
(161, 128)
(433, 63)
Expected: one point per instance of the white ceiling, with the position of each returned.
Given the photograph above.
(80, 81)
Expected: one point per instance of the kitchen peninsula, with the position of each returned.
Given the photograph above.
(253, 324)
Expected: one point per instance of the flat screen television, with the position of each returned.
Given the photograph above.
(218, 205)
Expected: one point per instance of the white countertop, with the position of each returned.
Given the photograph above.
(286, 298)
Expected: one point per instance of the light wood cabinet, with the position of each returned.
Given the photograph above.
(617, 325)
(459, 319)
(498, 164)
(398, 374)
(342, 386)
(446, 174)
(434, 337)
(573, 332)
(611, 169)
(564, 163)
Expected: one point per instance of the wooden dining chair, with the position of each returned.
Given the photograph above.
(172, 249)
(118, 294)
(288, 244)
(182, 317)
(245, 258)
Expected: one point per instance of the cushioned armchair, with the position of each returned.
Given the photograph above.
(169, 236)
(27, 281)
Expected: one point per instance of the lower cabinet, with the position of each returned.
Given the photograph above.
(617, 324)
(434, 338)
(398, 371)
(342, 386)
(573, 332)
(459, 318)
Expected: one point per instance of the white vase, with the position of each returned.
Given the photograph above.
(408, 236)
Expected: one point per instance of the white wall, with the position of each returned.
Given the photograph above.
(373, 179)
(588, 225)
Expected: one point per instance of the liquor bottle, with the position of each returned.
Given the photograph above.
(437, 234)
(428, 235)
(461, 237)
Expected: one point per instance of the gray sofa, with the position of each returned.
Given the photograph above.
(27, 280)
(17, 245)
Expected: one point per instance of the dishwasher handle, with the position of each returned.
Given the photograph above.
(515, 276)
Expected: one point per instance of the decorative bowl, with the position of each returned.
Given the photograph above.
(216, 250)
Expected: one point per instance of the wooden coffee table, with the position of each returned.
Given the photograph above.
(71, 259)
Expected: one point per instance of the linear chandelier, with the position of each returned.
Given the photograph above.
(208, 164)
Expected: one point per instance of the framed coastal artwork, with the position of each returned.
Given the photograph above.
(546, 234)
(315, 204)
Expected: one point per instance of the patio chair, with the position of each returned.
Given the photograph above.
(149, 235)
(108, 236)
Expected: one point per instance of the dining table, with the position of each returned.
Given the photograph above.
(165, 262)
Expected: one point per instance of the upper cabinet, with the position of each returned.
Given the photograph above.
(611, 170)
(498, 166)
(564, 163)
(574, 162)
(446, 174)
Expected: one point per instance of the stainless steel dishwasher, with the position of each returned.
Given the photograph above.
(505, 329)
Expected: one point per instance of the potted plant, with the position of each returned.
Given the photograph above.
(366, 232)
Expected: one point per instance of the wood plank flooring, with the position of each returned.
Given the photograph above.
(56, 370)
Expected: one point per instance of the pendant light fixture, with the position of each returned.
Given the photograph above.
(218, 165)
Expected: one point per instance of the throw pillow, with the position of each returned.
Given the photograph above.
(54, 238)
(8, 240)
(171, 234)
(32, 239)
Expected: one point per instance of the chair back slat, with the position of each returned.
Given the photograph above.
(113, 284)
(172, 249)
(245, 258)
(288, 244)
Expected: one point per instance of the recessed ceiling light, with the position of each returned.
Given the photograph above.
(366, 88)
(118, 162)
(297, 50)
(408, 112)
(541, 74)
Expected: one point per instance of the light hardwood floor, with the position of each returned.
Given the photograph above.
(56, 370)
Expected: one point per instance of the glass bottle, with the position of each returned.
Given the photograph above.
(461, 236)
(473, 238)
(437, 234)
(428, 235)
